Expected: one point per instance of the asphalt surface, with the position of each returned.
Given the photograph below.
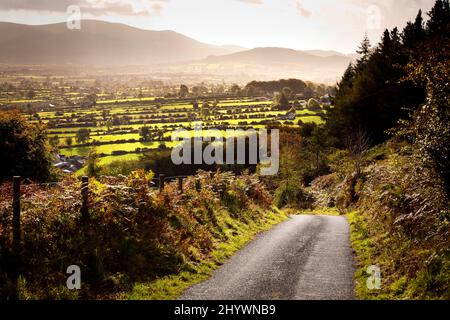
(303, 258)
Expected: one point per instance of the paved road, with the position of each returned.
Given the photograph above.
(304, 258)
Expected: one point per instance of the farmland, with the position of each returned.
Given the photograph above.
(122, 121)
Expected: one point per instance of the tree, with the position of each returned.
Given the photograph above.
(235, 90)
(109, 124)
(24, 148)
(54, 141)
(281, 101)
(184, 91)
(364, 50)
(313, 104)
(31, 94)
(206, 112)
(269, 87)
(93, 167)
(69, 141)
(91, 99)
(287, 92)
(371, 94)
(251, 91)
(145, 133)
(439, 22)
(414, 32)
(195, 105)
(357, 144)
(83, 135)
(105, 114)
(429, 128)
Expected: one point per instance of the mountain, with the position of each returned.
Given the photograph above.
(324, 53)
(98, 43)
(271, 63)
(233, 48)
(104, 44)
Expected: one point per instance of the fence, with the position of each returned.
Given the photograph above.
(84, 211)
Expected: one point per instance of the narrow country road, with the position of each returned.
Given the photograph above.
(306, 257)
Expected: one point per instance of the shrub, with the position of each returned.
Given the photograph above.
(313, 104)
(133, 232)
(288, 194)
(24, 148)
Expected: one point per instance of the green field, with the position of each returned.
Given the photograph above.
(110, 148)
(115, 124)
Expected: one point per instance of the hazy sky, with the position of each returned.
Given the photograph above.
(297, 24)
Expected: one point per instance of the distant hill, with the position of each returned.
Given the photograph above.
(233, 48)
(98, 43)
(270, 63)
(104, 44)
(324, 53)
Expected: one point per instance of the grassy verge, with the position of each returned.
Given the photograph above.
(363, 246)
(317, 211)
(430, 280)
(171, 287)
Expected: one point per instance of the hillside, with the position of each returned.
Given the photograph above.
(104, 44)
(97, 43)
(270, 63)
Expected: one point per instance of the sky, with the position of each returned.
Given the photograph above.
(297, 24)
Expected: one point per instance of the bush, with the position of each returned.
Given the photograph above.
(24, 148)
(288, 194)
(313, 104)
(133, 232)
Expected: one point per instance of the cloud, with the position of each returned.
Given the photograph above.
(302, 11)
(391, 13)
(251, 1)
(92, 7)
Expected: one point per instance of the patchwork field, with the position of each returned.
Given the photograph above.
(124, 117)
(115, 128)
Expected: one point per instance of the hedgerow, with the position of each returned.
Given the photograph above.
(133, 232)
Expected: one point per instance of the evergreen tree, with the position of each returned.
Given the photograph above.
(414, 33)
(439, 22)
(364, 51)
(24, 148)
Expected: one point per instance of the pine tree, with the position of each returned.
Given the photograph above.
(419, 30)
(414, 33)
(364, 50)
(348, 76)
(439, 22)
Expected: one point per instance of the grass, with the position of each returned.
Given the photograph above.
(385, 252)
(109, 148)
(311, 119)
(243, 103)
(317, 211)
(173, 286)
(125, 107)
(109, 159)
(364, 247)
(125, 100)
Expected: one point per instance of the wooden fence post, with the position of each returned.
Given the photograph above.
(16, 214)
(162, 178)
(180, 185)
(84, 197)
(16, 238)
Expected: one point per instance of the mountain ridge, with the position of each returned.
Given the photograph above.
(97, 43)
(106, 44)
